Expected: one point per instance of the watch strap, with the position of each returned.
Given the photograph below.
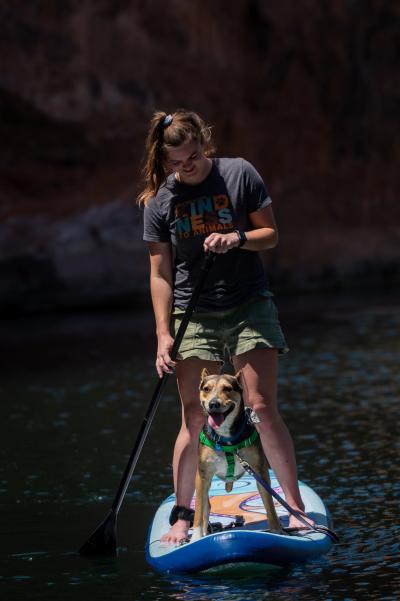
(242, 237)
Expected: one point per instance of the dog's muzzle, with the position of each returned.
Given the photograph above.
(214, 405)
(216, 413)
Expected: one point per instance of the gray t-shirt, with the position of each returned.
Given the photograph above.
(184, 215)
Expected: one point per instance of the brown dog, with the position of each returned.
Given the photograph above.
(227, 426)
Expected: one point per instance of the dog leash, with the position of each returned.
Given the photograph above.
(318, 528)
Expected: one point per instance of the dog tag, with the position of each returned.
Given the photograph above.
(252, 417)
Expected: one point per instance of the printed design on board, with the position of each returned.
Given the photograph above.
(203, 215)
(249, 505)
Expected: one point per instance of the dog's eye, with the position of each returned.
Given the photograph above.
(206, 389)
(227, 389)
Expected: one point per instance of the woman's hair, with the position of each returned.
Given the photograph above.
(169, 131)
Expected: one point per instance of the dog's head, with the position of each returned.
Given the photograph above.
(221, 399)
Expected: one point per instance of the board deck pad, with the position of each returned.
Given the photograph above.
(248, 543)
(242, 501)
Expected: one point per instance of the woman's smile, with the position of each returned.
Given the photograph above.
(189, 162)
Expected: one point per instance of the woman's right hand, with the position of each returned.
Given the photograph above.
(164, 363)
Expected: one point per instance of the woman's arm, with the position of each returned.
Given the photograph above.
(265, 232)
(161, 288)
(263, 235)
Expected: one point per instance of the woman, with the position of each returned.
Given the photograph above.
(193, 204)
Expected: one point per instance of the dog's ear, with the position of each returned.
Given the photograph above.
(238, 377)
(204, 374)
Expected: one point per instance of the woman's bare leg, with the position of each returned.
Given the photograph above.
(259, 369)
(187, 443)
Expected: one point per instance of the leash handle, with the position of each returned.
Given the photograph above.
(318, 528)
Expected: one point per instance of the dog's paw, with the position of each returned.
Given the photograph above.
(197, 534)
(277, 529)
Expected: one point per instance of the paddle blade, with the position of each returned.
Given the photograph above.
(103, 541)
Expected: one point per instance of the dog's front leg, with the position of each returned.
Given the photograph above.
(199, 511)
(202, 509)
(273, 520)
(261, 467)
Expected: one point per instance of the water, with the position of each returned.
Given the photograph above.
(73, 393)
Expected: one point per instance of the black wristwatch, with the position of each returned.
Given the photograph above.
(242, 237)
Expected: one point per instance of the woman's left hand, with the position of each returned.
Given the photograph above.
(221, 243)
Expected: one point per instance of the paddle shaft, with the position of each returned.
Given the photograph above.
(145, 427)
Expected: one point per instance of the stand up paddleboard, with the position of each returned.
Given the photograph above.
(240, 531)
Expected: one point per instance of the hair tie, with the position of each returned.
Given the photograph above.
(167, 121)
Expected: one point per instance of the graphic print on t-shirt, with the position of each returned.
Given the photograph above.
(203, 215)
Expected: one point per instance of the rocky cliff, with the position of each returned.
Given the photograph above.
(307, 91)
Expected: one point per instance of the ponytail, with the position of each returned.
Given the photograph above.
(169, 131)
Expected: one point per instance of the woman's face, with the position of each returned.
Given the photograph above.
(189, 162)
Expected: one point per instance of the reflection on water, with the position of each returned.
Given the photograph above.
(68, 427)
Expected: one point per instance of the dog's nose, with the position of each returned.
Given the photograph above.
(214, 404)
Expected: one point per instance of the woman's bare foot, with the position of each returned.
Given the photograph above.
(296, 523)
(177, 533)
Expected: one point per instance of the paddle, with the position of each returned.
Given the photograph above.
(103, 541)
